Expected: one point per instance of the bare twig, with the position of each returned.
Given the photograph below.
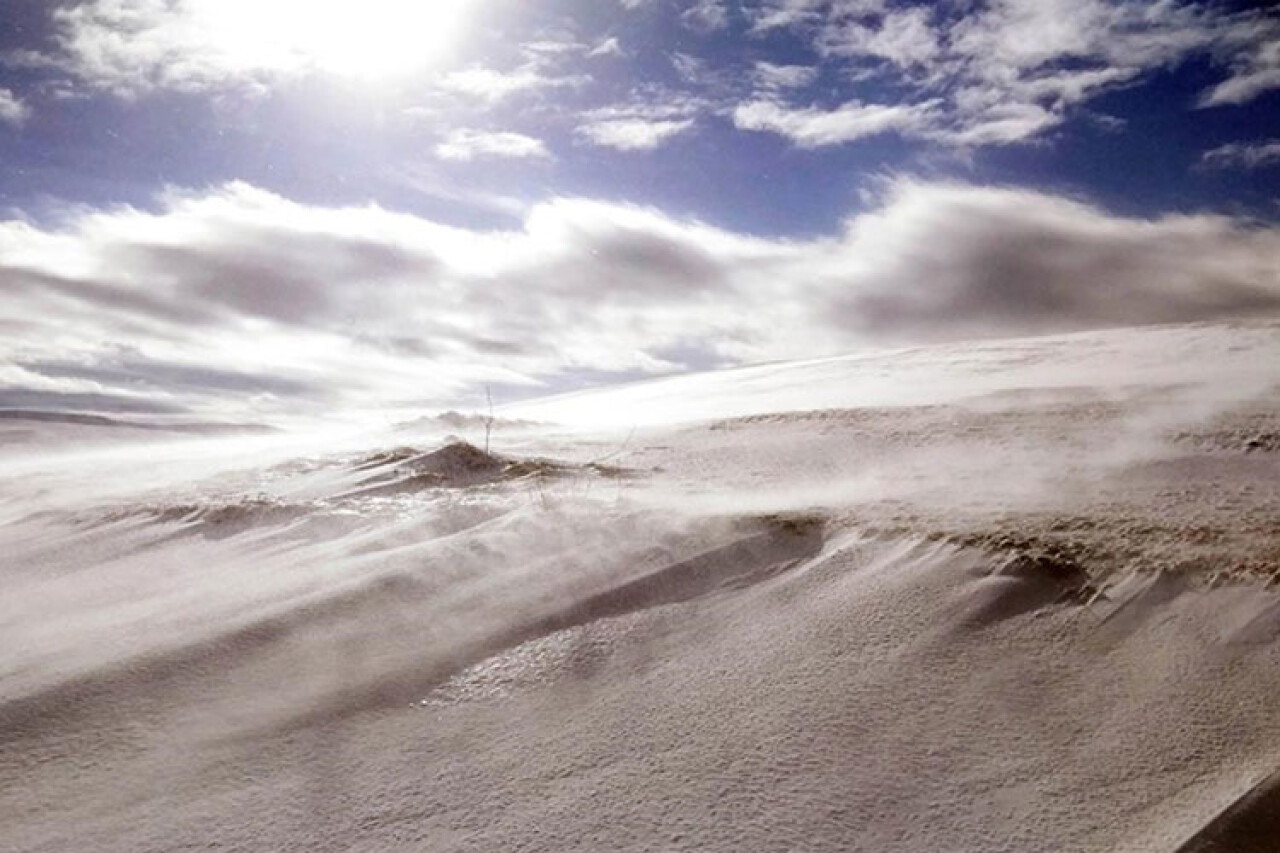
(622, 448)
(488, 422)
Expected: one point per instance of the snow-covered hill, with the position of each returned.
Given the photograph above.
(1000, 596)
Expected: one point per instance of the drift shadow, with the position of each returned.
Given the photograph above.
(1022, 584)
(767, 546)
(761, 548)
(1250, 824)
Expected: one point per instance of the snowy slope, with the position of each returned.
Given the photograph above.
(996, 596)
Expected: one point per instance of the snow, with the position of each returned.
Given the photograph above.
(1007, 595)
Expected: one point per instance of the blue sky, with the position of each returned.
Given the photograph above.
(235, 207)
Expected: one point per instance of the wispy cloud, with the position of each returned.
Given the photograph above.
(610, 46)
(1242, 155)
(779, 14)
(903, 37)
(633, 134)
(492, 85)
(466, 144)
(642, 125)
(772, 78)
(1243, 87)
(1009, 70)
(704, 76)
(12, 108)
(993, 72)
(811, 127)
(1250, 45)
(706, 15)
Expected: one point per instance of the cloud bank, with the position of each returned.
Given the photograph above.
(238, 301)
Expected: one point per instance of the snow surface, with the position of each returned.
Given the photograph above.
(997, 596)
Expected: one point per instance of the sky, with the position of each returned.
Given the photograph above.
(257, 208)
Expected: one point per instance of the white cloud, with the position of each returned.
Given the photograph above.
(811, 127)
(1017, 47)
(903, 37)
(944, 261)
(706, 15)
(1009, 60)
(134, 47)
(609, 47)
(770, 77)
(467, 144)
(1252, 46)
(633, 134)
(998, 124)
(1008, 70)
(1026, 35)
(492, 85)
(1243, 87)
(239, 299)
(642, 125)
(1064, 88)
(702, 74)
(1032, 61)
(239, 289)
(12, 109)
(778, 14)
(1244, 156)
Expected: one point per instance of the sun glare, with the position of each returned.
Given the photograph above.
(372, 39)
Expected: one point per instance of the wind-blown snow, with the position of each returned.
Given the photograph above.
(1001, 596)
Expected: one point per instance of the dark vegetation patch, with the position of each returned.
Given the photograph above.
(459, 464)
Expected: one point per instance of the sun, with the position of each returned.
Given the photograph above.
(372, 39)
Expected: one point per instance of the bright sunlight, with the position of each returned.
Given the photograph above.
(370, 39)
